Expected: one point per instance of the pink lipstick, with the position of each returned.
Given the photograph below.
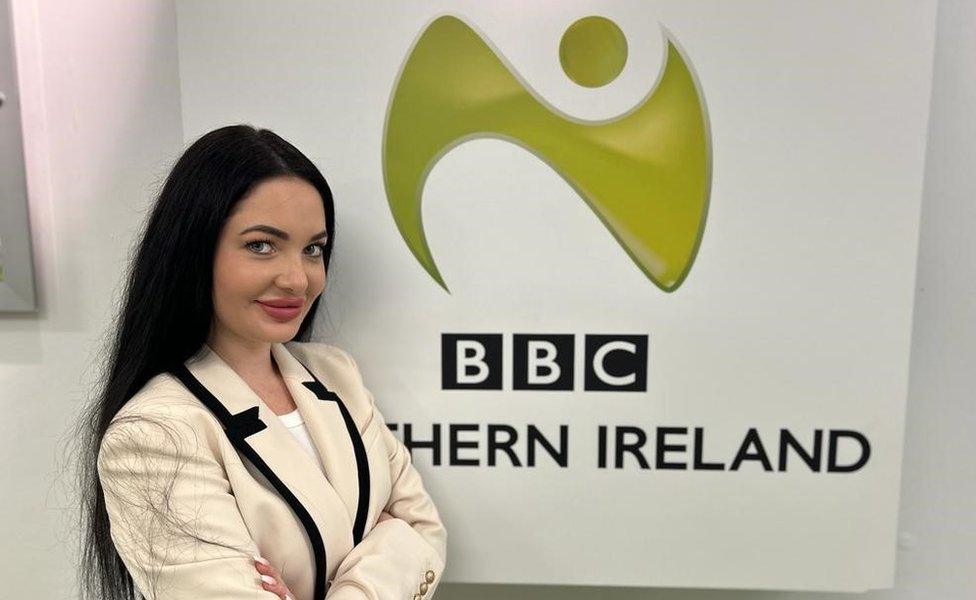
(282, 309)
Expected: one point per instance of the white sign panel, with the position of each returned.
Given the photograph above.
(634, 280)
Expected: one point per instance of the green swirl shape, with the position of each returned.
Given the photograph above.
(645, 174)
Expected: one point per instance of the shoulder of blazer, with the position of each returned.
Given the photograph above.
(164, 392)
(330, 362)
(162, 395)
(164, 407)
(337, 369)
(164, 399)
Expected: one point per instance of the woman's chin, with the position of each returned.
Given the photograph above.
(273, 331)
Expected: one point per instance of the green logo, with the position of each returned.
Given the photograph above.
(645, 174)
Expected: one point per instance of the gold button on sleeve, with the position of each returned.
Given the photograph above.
(429, 576)
(423, 588)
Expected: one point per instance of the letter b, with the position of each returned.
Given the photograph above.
(471, 361)
(542, 362)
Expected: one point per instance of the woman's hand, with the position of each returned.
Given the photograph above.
(271, 580)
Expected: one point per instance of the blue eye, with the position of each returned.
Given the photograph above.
(321, 248)
(249, 244)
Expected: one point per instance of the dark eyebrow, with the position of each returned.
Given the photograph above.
(281, 234)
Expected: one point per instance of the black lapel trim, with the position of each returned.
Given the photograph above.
(238, 427)
(362, 462)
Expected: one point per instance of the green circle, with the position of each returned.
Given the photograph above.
(593, 51)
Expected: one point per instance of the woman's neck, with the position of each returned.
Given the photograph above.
(255, 364)
(249, 360)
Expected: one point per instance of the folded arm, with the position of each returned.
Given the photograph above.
(400, 557)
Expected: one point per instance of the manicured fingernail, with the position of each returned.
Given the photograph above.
(268, 579)
(261, 560)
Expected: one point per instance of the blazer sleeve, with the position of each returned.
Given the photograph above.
(398, 555)
(173, 518)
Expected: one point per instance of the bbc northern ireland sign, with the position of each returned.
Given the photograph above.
(612, 363)
(632, 281)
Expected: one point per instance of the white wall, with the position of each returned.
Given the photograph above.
(101, 132)
(100, 94)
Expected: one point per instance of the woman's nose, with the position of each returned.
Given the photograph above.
(294, 276)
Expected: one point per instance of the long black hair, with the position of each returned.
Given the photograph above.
(166, 311)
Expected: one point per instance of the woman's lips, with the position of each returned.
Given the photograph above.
(280, 313)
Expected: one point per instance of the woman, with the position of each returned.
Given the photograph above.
(228, 456)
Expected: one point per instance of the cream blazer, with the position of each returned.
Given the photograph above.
(197, 454)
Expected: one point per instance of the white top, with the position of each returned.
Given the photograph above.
(293, 421)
